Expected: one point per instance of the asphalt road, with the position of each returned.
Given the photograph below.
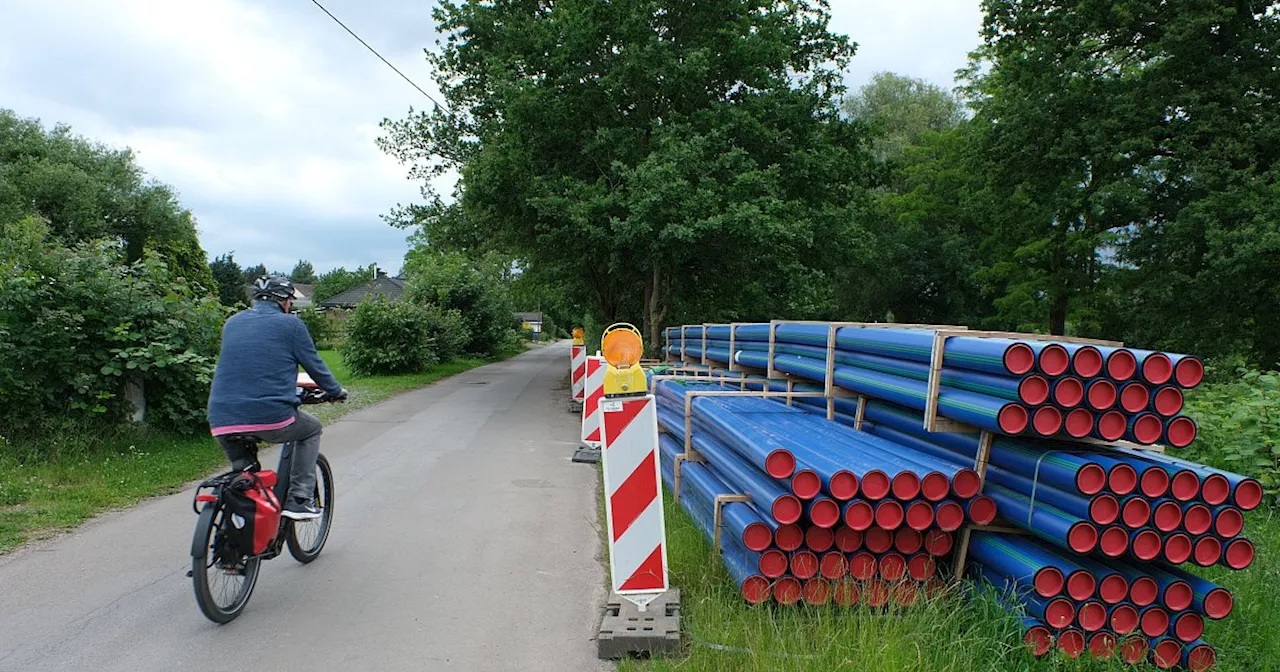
(463, 539)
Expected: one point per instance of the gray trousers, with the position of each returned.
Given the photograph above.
(305, 435)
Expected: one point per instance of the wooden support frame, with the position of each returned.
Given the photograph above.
(718, 517)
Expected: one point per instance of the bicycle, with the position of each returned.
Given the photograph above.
(214, 559)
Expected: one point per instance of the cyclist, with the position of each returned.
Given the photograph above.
(254, 393)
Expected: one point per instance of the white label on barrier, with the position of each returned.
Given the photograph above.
(611, 406)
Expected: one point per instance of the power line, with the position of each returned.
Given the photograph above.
(375, 53)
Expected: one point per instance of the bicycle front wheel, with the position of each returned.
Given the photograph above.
(223, 580)
(306, 537)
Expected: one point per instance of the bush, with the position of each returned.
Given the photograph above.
(388, 338)
(473, 288)
(448, 332)
(318, 325)
(76, 327)
(1239, 422)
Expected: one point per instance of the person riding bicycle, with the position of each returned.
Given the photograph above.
(254, 393)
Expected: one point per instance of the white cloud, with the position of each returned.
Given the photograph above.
(919, 38)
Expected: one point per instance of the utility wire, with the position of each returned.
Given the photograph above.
(375, 53)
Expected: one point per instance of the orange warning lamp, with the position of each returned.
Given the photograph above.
(577, 336)
(622, 349)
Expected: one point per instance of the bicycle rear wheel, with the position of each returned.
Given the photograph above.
(306, 538)
(223, 583)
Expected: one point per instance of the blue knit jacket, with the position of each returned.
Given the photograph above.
(255, 383)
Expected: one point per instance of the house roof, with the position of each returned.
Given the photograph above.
(529, 317)
(305, 290)
(392, 288)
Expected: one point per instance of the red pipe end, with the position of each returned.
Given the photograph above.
(1047, 421)
(1157, 368)
(1068, 392)
(859, 516)
(1144, 591)
(907, 541)
(1071, 643)
(755, 590)
(787, 509)
(1087, 361)
(844, 485)
(1121, 365)
(1177, 548)
(1147, 429)
(922, 567)
(1079, 423)
(1167, 516)
(1137, 512)
(1102, 645)
(1102, 395)
(1012, 419)
(790, 537)
(1178, 596)
(1248, 494)
(834, 565)
(1202, 658)
(1166, 654)
(1181, 431)
(982, 509)
(787, 590)
(1239, 554)
(1134, 398)
(757, 537)
(1208, 551)
(1218, 603)
(1059, 613)
(1189, 372)
(1197, 519)
(876, 594)
(1091, 479)
(937, 543)
(1104, 509)
(806, 484)
(1155, 622)
(1188, 627)
(893, 566)
(966, 483)
(1080, 585)
(1124, 619)
(1133, 651)
(804, 565)
(816, 591)
(848, 539)
(862, 566)
(934, 486)
(1146, 545)
(1048, 581)
(905, 594)
(1038, 640)
(1033, 390)
(1155, 482)
(1054, 360)
(1168, 401)
(949, 516)
(824, 512)
(780, 464)
(878, 540)
(1115, 541)
(1185, 486)
(889, 514)
(1082, 537)
(773, 563)
(875, 485)
(820, 539)
(1215, 489)
(919, 516)
(845, 593)
(1112, 425)
(1019, 358)
(1113, 589)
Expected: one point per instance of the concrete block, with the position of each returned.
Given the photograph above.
(627, 631)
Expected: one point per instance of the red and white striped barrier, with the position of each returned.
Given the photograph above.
(594, 392)
(578, 369)
(633, 498)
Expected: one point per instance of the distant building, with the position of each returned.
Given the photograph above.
(382, 285)
(531, 321)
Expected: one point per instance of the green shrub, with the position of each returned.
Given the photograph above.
(474, 288)
(318, 325)
(76, 325)
(1239, 422)
(448, 332)
(385, 337)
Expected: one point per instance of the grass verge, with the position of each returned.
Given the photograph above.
(952, 632)
(39, 499)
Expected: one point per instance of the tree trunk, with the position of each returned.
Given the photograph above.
(654, 309)
(1058, 315)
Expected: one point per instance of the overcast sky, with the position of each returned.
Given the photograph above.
(262, 113)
